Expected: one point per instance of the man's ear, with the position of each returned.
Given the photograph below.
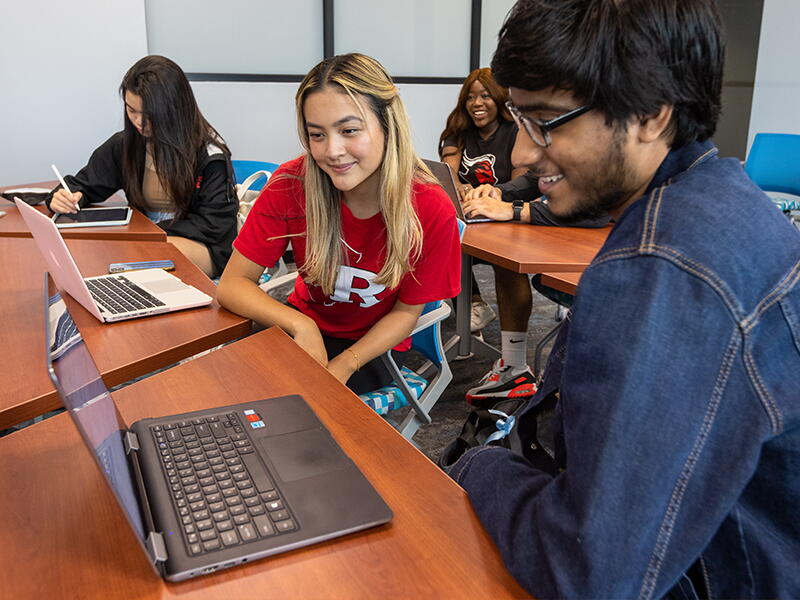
(656, 125)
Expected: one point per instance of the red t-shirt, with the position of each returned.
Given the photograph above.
(358, 302)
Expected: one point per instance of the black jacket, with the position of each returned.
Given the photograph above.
(211, 216)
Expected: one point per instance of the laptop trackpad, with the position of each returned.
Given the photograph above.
(164, 286)
(304, 454)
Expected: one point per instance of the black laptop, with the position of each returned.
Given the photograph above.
(212, 489)
(443, 173)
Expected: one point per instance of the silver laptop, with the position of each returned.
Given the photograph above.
(445, 176)
(109, 297)
(215, 488)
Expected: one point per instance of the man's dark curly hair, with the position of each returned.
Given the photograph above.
(628, 58)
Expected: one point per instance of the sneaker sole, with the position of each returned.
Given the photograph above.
(520, 391)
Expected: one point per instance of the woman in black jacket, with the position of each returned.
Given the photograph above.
(171, 163)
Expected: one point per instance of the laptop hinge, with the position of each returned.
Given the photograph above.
(156, 548)
(154, 544)
(131, 442)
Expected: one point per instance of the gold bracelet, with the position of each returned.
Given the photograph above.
(355, 356)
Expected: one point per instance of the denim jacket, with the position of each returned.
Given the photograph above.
(678, 421)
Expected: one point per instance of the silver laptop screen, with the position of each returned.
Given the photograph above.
(89, 403)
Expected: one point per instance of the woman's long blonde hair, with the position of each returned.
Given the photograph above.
(360, 76)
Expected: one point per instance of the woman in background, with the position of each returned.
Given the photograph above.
(476, 144)
(373, 236)
(171, 163)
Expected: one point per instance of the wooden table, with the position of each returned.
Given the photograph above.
(140, 227)
(524, 249)
(563, 282)
(534, 248)
(122, 350)
(66, 538)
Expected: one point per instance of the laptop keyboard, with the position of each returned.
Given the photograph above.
(120, 295)
(222, 491)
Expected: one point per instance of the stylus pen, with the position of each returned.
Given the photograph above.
(64, 185)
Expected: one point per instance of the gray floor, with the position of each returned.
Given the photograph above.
(451, 410)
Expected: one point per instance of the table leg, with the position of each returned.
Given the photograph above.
(463, 308)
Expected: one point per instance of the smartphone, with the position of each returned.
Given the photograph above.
(167, 265)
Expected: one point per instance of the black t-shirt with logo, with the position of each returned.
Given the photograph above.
(489, 160)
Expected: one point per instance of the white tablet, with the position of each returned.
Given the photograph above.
(94, 217)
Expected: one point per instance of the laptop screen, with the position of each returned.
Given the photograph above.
(89, 403)
(442, 172)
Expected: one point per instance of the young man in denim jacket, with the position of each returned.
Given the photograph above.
(678, 372)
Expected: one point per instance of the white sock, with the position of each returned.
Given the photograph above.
(514, 346)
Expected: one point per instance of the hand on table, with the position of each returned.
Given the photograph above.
(483, 190)
(464, 189)
(342, 366)
(64, 202)
(486, 201)
(310, 339)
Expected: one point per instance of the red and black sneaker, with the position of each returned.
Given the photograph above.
(503, 381)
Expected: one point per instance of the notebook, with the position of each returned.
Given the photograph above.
(109, 297)
(445, 176)
(212, 489)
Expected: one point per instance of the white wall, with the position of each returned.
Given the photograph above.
(777, 88)
(62, 62)
(258, 120)
(428, 106)
(60, 97)
(60, 66)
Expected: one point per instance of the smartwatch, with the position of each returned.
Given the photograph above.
(517, 206)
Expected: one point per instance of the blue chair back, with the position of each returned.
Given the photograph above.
(774, 162)
(242, 169)
(425, 342)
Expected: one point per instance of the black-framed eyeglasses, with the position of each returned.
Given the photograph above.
(539, 131)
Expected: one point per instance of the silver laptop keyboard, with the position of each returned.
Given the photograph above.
(120, 295)
(223, 493)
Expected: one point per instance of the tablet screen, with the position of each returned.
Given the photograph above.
(94, 216)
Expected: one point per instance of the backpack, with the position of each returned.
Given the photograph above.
(247, 197)
(497, 426)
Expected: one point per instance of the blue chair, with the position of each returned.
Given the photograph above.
(774, 165)
(249, 185)
(409, 387)
(242, 169)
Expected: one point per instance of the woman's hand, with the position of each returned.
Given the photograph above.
(487, 204)
(343, 366)
(64, 202)
(484, 190)
(308, 337)
(464, 189)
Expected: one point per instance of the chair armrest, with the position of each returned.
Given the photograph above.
(278, 281)
(431, 317)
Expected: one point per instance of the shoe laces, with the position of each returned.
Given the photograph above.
(497, 369)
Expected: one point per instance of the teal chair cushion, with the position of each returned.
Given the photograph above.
(389, 397)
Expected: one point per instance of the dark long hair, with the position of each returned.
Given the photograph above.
(177, 131)
(459, 121)
(627, 59)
